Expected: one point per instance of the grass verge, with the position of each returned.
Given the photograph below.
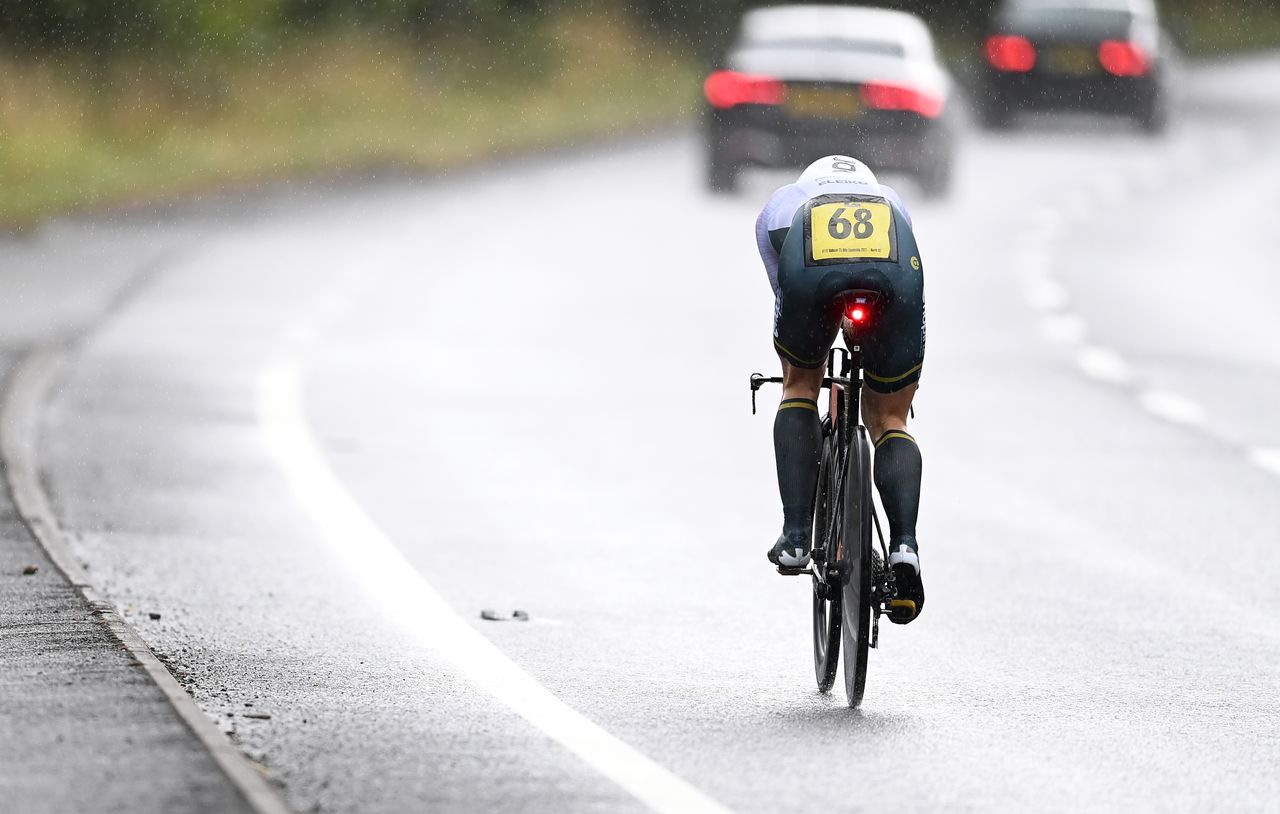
(74, 135)
(1228, 27)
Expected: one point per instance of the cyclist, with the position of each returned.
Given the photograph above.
(814, 249)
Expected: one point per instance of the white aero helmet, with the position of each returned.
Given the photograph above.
(839, 169)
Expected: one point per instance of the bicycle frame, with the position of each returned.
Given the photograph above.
(852, 582)
(844, 390)
(843, 400)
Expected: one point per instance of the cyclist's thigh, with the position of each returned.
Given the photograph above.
(805, 321)
(894, 352)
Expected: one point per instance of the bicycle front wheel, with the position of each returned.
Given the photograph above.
(855, 567)
(826, 597)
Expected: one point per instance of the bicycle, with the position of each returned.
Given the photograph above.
(852, 588)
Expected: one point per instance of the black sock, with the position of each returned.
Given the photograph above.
(797, 446)
(897, 474)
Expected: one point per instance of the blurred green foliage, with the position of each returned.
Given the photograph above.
(103, 29)
(234, 94)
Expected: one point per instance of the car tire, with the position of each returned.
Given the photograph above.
(1153, 117)
(995, 113)
(935, 180)
(722, 173)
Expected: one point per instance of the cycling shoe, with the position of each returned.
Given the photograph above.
(791, 550)
(904, 560)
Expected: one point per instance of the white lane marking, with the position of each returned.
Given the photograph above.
(409, 599)
(1065, 329)
(1266, 457)
(1172, 407)
(1103, 364)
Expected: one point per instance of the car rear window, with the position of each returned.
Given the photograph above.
(878, 47)
(1105, 21)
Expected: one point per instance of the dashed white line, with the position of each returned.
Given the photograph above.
(1046, 293)
(408, 599)
(1103, 364)
(1266, 457)
(1172, 407)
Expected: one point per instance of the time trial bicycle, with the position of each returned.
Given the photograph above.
(852, 588)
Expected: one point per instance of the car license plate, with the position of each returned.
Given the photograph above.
(823, 103)
(1072, 61)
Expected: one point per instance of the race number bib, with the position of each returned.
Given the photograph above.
(850, 229)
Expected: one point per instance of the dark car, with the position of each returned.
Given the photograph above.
(1106, 56)
(801, 82)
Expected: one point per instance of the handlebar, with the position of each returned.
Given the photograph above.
(759, 380)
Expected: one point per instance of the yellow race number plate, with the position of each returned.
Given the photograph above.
(851, 230)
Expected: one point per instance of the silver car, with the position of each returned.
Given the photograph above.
(804, 81)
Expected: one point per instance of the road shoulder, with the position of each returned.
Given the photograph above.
(88, 722)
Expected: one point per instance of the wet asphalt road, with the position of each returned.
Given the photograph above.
(538, 394)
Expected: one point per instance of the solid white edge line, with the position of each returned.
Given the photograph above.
(407, 598)
(25, 395)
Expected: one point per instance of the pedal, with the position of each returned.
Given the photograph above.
(794, 572)
(902, 605)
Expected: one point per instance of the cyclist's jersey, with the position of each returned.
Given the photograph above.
(775, 219)
(834, 229)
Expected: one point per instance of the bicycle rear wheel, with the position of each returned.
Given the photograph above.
(826, 598)
(855, 567)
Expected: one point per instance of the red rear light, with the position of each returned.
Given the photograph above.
(858, 314)
(1122, 58)
(883, 96)
(725, 89)
(1008, 52)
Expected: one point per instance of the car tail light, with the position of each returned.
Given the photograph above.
(884, 96)
(1122, 58)
(1007, 52)
(725, 89)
